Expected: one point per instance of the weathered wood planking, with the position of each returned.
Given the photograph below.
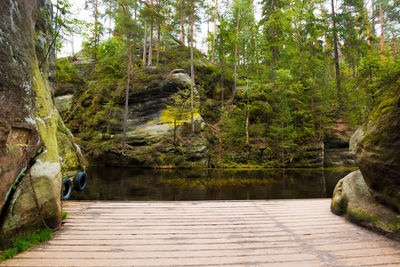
(209, 233)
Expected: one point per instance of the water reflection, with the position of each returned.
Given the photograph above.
(107, 183)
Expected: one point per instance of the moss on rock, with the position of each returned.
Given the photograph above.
(355, 200)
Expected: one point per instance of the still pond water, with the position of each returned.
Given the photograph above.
(106, 183)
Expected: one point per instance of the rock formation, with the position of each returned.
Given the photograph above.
(371, 196)
(35, 147)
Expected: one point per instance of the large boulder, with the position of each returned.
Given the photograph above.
(30, 168)
(372, 195)
(353, 198)
(376, 148)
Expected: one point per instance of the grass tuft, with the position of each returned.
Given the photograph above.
(24, 243)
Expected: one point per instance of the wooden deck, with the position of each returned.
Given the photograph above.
(210, 233)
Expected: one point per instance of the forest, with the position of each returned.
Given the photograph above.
(266, 85)
(291, 106)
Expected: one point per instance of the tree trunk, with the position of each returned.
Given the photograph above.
(235, 64)
(247, 125)
(182, 36)
(126, 101)
(247, 112)
(373, 17)
(222, 90)
(150, 61)
(192, 64)
(145, 44)
(158, 33)
(336, 51)
(109, 22)
(96, 12)
(282, 145)
(313, 105)
(382, 30)
(72, 44)
(158, 43)
(215, 32)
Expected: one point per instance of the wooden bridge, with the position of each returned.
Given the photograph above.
(210, 233)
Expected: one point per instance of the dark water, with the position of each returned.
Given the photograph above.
(107, 183)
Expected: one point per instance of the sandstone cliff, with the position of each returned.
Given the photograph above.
(36, 149)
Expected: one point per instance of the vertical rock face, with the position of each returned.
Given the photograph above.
(30, 167)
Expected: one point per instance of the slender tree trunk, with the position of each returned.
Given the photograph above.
(373, 17)
(158, 42)
(208, 34)
(313, 105)
(382, 30)
(236, 53)
(109, 22)
(247, 125)
(72, 43)
(96, 13)
(215, 31)
(222, 89)
(247, 112)
(145, 44)
(182, 36)
(282, 145)
(274, 48)
(192, 63)
(166, 32)
(150, 61)
(336, 51)
(158, 33)
(126, 101)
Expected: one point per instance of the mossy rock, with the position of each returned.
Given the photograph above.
(356, 201)
(376, 148)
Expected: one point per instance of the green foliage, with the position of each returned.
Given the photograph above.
(286, 95)
(65, 72)
(24, 243)
(64, 215)
(109, 55)
(234, 128)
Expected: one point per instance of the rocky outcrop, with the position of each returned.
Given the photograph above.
(97, 120)
(30, 168)
(372, 196)
(376, 147)
(352, 197)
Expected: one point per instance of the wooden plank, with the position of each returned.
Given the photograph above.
(209, 233)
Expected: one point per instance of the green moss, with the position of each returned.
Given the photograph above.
(46, 116)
